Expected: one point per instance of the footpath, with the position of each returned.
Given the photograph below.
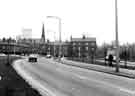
(129, 65)
(105, 69)
(11, 84)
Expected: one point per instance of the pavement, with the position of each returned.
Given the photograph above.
(129, 62)
(51, 78)
(132, 64)
(106, 69)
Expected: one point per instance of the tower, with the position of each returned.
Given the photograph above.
(43, 34)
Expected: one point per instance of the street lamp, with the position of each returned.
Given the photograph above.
(54, 33)
(54, 45)
(92, 57)
(117, 40)
(8, 41)
(56, 17)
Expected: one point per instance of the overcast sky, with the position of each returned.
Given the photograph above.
(95, 18)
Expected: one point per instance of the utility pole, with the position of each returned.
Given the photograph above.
(8, 52)
(54, 45)
(117, 40)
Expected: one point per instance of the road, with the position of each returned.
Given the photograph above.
(53, 79)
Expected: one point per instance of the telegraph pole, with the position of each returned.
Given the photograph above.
(117, 40)
(8, 52)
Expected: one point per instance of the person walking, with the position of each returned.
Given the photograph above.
(110, 60)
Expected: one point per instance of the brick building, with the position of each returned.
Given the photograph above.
(82, 47)
(52, 48)
(77, 47)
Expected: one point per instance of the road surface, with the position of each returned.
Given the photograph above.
(53, 79)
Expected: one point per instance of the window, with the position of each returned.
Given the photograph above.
(79, 48)
(86, 48)
(86, 43)
(93, 44)
(74, 43)
(92, 49)
(74, 48)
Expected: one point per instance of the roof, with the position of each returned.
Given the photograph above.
(58, 43)
(82, 40)
(12, 44)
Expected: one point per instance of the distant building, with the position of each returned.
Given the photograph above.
(52, 48)
(77, 47)
(82, 47)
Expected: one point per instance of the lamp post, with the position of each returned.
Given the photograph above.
(117, 40)
(8, 52)
(14, 47)
(54, 33)
(59, 33)
(92, 57)
(54, 44)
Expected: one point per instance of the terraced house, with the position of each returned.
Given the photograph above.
(84, 47)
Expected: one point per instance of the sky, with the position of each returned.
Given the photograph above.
(94, 18)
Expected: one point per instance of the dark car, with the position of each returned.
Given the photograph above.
(32, 58)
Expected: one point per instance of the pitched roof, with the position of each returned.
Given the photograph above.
(82, 40)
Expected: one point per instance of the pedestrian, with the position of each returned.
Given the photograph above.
(125, 59)
(110, 60)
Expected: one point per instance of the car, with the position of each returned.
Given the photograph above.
(2, 54)
(32, 58)
(63, 58)
(48, 56)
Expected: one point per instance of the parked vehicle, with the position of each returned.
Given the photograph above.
(32, 58)
(2, 54)
(48, 56)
